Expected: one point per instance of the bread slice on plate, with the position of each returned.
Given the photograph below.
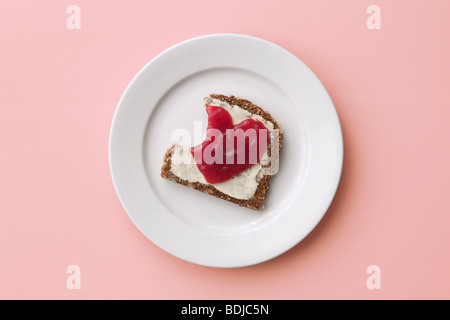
(246, 188)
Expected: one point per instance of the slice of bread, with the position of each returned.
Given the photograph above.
(256, 202)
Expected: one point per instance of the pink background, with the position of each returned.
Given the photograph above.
(59, 91)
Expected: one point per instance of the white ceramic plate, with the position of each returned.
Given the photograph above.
(167, 94)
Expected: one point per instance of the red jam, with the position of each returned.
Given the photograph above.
(229, 149)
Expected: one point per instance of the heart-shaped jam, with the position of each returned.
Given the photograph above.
(229, 149)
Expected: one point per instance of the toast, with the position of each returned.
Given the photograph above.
(256, 194)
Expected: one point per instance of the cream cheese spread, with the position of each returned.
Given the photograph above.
(243, 185)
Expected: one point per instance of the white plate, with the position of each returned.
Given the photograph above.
(167, 94)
